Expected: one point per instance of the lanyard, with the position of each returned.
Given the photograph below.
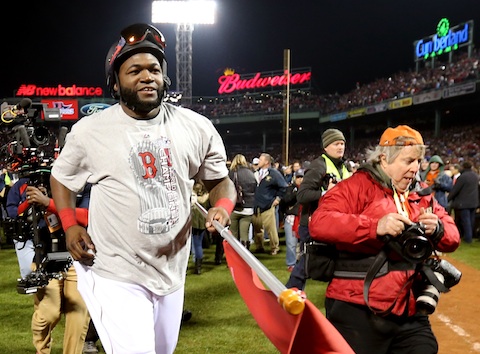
(400, 202)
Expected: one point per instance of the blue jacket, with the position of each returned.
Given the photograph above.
(273, 185)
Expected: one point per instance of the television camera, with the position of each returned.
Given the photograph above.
(30, 145)
(27, 138)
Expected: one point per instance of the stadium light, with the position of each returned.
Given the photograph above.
(192, 12)
(185, 14)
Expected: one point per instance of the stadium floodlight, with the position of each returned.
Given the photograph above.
(185, 14)
(191, 12)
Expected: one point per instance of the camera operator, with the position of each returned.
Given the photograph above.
(377, 204)
(60, 296)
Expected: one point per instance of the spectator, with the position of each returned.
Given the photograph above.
(255, 163)
(455, 170)
(359, 216)
(200, 195)
(244, 180)
(438, 180)
(464, 198)
(292, 209)
(270, 190)
(7, 180)
(422, 172)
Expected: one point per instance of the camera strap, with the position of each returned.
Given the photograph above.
(401, 202)
(429, 274)
(377, 264)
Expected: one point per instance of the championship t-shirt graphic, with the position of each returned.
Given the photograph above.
(151, 163)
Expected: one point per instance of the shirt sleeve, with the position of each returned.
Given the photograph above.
(68, 168)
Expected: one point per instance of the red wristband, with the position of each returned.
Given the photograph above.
(68, 218)
(225, 203)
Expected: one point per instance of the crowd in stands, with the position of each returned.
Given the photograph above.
(401, 84)
(455, 145)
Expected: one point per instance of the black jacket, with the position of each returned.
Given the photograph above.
(289, 204)
(310, 190)
(464, 194)
(246, 179)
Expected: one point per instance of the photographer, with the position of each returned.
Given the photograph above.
(361, 216)
(322, 175)
(60, 296)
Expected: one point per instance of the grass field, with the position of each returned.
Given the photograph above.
(221, 322)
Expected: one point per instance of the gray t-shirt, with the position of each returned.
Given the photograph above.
(141, 173)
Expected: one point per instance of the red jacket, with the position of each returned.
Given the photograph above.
(348, 215)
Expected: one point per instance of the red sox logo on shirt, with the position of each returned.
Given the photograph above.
(151, 163)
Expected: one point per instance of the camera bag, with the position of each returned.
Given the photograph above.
(320, 260)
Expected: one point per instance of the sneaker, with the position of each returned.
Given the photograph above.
(274, 252)
(90, 348)
(186, 315)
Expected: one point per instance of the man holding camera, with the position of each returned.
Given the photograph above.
(364, 217)
(322, 175)
(27, 200)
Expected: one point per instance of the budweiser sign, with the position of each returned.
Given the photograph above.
(231, 82)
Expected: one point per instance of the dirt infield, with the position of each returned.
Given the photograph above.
(456, 319)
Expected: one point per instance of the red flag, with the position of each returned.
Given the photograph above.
(308, 332)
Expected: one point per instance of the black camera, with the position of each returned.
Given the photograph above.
(412, 244)
(327, 179)
(445, 275)
(53, 266)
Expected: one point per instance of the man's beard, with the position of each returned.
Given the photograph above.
(131, 99)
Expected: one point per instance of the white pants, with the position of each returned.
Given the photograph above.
(129, 318)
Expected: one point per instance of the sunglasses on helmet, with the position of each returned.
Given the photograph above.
(139, 32)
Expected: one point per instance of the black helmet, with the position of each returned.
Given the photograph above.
(137, 38)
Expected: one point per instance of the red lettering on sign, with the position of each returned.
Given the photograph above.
(231, 83)
(59, 91)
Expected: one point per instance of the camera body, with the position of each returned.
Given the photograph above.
(53, 266)
(327, 179)
(446, 275)
(412, 244)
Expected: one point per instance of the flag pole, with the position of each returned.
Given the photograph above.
(292, 300)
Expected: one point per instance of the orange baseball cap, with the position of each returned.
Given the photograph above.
(402, 135)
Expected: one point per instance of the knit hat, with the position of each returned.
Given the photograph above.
(402, 135)
(331, 135)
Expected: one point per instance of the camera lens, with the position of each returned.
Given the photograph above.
(427, 301)
(417, 248)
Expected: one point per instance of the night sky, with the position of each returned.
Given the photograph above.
(343, 41)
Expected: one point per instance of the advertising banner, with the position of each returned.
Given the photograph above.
(459, 90)
(427, 97)
(404, 102)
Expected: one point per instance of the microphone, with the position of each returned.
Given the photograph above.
(24, 104)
